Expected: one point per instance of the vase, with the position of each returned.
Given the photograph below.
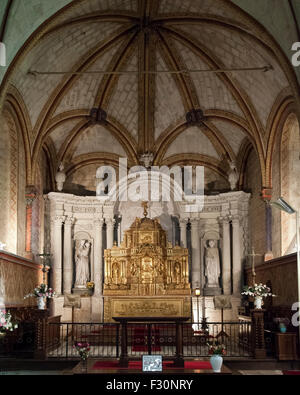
(216, 362)
(41, 303)
(2, 335)
(258, 302)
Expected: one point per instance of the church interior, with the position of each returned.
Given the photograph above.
(95, 278)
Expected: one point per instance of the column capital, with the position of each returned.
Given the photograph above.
(183, 221)
(110, 221)
(266, 194)
(224, 219)
(98, 222)
(194, 222)
(58, 220)
(69, 220)
(235, 219)
(30, 195)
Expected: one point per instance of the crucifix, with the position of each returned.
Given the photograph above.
(253, 255)
(46, 265)
(145, 206)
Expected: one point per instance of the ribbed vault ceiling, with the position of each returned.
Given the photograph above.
(147, 112)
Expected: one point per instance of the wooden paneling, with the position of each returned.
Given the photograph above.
(18, 277)
(281, 273)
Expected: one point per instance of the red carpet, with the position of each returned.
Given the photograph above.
(291, 372)
(137, 365)
(140, 339)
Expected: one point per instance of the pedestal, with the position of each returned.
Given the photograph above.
(212, 291)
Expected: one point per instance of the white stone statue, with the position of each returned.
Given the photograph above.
(212, 264)
(60, 178)
(82, 263)
(233, 176)
(147, 159)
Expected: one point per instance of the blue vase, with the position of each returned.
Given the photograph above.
(216, 362)
(283, 329)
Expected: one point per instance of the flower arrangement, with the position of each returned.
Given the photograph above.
(257, 290)
(83, 350)
(215, 348)
(90, 285)
(6, 323)
(42, 291)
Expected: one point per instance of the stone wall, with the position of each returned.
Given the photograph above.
(257, 214)
(276, 214)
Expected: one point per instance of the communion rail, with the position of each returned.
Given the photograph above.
(156, 338)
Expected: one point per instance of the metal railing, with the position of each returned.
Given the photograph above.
(147, 338)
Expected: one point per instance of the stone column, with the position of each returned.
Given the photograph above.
(119, 231)
(110, 225)
(237, 261)
(68, 254)
(226, 258)
(183, 239)
(196, 275)
(56, 247)
(268, 255)
(98, 258)
(30, 197)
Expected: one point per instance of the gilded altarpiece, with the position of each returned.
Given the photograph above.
(146, 276)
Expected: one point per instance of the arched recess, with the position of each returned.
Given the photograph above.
(12, 185)
(290, 181)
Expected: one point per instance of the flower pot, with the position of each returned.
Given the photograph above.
(258, 302)
(41, 303)
(216, 362)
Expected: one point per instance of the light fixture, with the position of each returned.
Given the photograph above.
(2, 55)
(282, 205)
(197, 292)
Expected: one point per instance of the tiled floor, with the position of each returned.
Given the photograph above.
(260, 372)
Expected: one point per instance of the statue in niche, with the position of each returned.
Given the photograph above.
(233, 176)
(177, 272)
(116, 273)
(147, 270)
(160, 268)
(60, 178)
(212, 264)
(82, 263)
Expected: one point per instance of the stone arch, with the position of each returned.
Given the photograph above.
(5, 181)
(290, 183)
